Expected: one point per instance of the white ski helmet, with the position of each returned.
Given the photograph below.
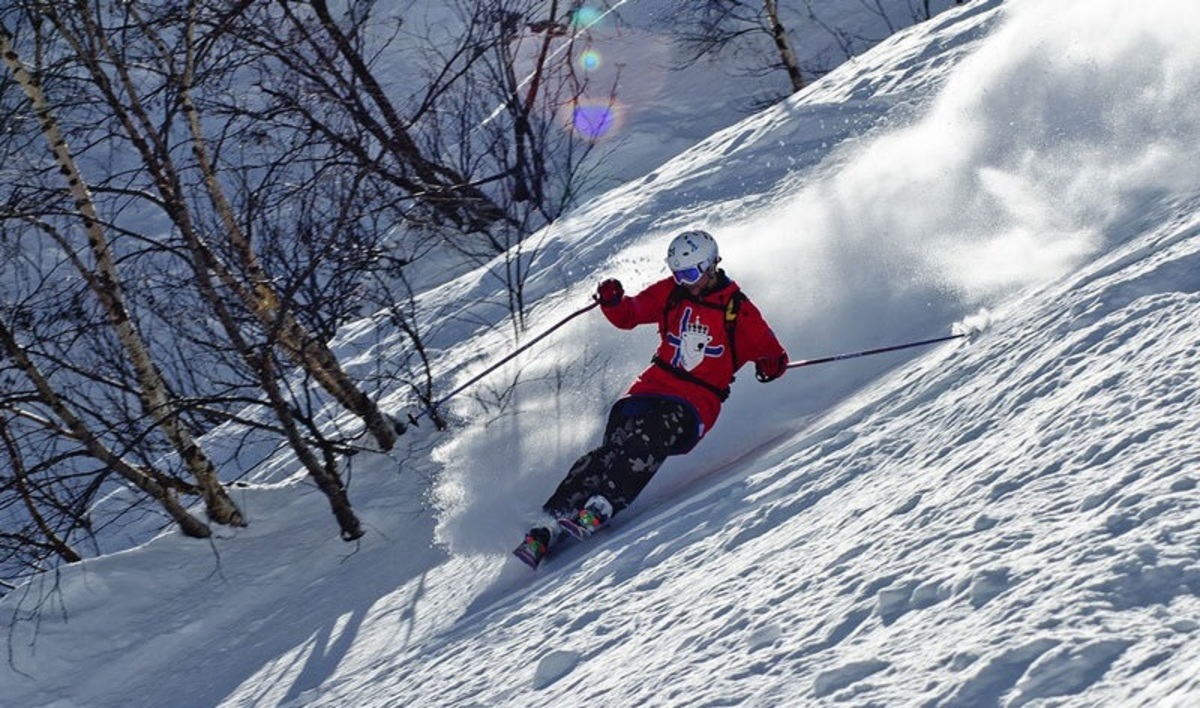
(691, 254)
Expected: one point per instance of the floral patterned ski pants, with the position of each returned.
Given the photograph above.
(642, 432)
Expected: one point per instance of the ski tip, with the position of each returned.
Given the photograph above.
(527, 558)
(573, 529)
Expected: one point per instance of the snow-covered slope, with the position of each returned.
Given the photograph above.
(1009, 520)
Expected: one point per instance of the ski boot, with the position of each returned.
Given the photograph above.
(583, 523)
(535, 547)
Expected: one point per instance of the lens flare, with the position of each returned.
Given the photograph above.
(594, 120)
(586, 17)
(589, 60)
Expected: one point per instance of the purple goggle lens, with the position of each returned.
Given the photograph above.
(688, 276)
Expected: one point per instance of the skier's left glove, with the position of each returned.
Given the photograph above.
(770, 368)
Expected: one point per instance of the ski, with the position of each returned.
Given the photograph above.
(577, 531)
(527, 557)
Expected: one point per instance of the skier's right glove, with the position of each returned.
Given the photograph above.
(610, 293)
(770, 368)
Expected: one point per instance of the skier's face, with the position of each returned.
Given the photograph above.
(702, 284)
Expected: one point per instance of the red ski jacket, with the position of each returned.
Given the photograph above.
(697, 357)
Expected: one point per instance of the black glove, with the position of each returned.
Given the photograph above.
(770, 368)
(610, 292)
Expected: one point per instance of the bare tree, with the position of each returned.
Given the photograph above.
(65, 423)
(760, 39)
(43, 536)
(228, 185)
(248, 281)
(783, 45)
(109, 287)
(530, 70)
(712, 27)
(486, 105)
(104, 282)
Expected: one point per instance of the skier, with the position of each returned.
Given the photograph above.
(708, 330)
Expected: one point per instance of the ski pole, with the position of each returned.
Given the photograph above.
(432, 409)
(869, 352)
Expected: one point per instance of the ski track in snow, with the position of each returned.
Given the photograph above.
(1011, 520)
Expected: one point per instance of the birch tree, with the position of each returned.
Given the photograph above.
(104, 282)
(215, 190)
(249, 282)
(67, 423)
(708, 28)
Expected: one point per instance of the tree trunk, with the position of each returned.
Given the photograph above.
(56, 544)
(443, 188)
(783, 45)
(324, 473)
(260, 297)
(106, 285)
(147, 481)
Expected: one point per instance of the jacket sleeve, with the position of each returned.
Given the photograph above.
(756, 338)
(644, 308)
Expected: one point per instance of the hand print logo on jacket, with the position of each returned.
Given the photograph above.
(688, 341)
(691, 345)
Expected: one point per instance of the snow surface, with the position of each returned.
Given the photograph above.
(1011, 520)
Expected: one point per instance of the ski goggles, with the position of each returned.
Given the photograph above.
(690, 276)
